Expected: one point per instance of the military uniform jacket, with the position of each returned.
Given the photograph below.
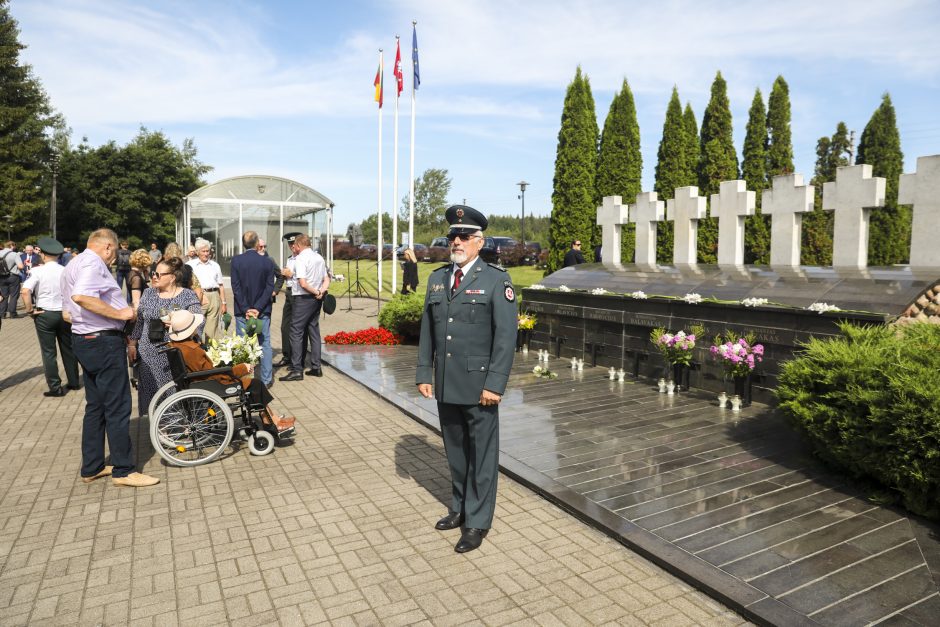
(468, 341)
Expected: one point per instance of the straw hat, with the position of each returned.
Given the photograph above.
(183, 324)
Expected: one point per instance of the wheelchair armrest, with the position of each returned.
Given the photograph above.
(202, 374)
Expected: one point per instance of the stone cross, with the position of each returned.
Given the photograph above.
(851, 197)
(732, 203)
(685, 210)
(646, 213)
(785, 202)
(923, 191)
(611, 215)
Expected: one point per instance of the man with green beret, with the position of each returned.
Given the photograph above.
(468, 339)
(44, 287)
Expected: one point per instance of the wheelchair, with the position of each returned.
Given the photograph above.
(192, 419)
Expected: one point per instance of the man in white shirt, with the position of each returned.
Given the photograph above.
(210, 277)
(311, 282)
(44, 284)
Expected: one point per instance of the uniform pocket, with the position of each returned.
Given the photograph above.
(478, 307)
(478, 364)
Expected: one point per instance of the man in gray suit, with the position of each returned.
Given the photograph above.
(468, 339)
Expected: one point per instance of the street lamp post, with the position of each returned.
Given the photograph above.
(9, 218)
(52, 208)
(522, 185)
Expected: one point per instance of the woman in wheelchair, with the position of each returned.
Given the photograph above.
(183, 325)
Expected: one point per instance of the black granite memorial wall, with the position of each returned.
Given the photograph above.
(613, 329)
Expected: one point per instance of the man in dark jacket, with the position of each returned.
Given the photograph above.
(574, 256)
(252, 288)
(123, 263)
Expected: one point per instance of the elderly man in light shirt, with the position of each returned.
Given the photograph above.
(311, 282)
(210, 277)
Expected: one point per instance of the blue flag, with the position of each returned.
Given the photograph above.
(414, 55)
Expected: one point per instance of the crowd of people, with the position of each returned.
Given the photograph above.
(111, 307)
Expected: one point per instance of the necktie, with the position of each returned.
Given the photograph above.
(457, 276)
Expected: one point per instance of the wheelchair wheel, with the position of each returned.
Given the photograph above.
(191, 427)
(165, 391)
(261, 443)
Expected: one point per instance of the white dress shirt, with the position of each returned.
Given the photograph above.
(208, 273)
(309, 265)
(45, 282)
(465, 270)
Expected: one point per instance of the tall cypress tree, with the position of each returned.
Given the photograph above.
(25, 118)
(718, 162)
(672, 169)
(831, 153)
(780, 143)
(754, 173)
(880, 147)
(620, 164)
(692, 145)
(574, 196)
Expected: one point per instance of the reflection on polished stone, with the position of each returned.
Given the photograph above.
(693, 484)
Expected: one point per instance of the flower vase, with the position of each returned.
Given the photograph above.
(670, 388)
(735, 403)
(522, 339)
(742, 388)
(680, 374)
(722, 400)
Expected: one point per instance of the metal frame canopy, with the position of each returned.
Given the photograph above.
(220, 212)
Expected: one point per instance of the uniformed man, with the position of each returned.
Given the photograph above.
(287, 281)
(42, 296)
(468, 338)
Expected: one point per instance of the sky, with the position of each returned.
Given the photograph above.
(285, 88)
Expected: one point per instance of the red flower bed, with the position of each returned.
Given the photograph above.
(373, 335)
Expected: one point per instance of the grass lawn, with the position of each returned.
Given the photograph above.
(522, 276)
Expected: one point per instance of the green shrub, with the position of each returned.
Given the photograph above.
(870, 403)
(402, 315)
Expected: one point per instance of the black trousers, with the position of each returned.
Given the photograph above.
(52, 329)
(286, 314)
(107, 404)
(10, 288)
(305, 318)
(471, 443)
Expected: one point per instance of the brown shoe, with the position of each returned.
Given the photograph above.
(106, 472)
(135, 480)
(284, 423)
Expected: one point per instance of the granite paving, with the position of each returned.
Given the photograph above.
(731, 502)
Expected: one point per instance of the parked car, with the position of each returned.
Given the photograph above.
(421, 252)
(365, 250)
(532, 252)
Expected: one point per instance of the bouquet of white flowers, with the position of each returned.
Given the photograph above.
(234, 349)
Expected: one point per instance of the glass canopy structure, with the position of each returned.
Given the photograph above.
(220, 212)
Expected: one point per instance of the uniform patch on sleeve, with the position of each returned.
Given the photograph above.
(510, 294)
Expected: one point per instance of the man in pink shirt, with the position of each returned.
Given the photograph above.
(93, 301)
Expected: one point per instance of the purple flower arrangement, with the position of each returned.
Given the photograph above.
(739, 357)
(676, 348)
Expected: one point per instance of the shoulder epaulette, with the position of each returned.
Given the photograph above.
(497, 266)
(444, 267)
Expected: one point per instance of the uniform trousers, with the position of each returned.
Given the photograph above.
(107, 403)
(305, 320)
(50, 329)
(471, 442)
(213, 311)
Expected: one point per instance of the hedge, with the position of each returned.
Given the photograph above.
(869, 403)
(402, 315)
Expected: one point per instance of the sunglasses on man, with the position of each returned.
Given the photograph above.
(463, 237)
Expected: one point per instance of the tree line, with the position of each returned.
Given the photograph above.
(591, 164)
(134, 189)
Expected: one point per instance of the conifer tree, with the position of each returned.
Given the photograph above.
(880, 146)
(718, 162)
(25, 150)
(574, 196)
(754, 173)
(672, 170)
(780, 142)
(620, 164)
(691, 131)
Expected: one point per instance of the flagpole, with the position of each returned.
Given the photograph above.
(379, 252)
(411, 197)
(395, 182)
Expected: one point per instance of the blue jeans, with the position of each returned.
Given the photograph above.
(264, 338)
(107, 404)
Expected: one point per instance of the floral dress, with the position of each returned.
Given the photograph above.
(153, 365)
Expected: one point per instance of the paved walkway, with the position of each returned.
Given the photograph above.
(336, 528)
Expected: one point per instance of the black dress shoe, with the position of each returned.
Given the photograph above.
(470, 539)
(292, 376)
(74, 387)
(451, 521)
(59, 392)
(314, 372)
(282, 363)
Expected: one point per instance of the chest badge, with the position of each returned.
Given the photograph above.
(476, 291)
(437, 287)
(510, 294)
